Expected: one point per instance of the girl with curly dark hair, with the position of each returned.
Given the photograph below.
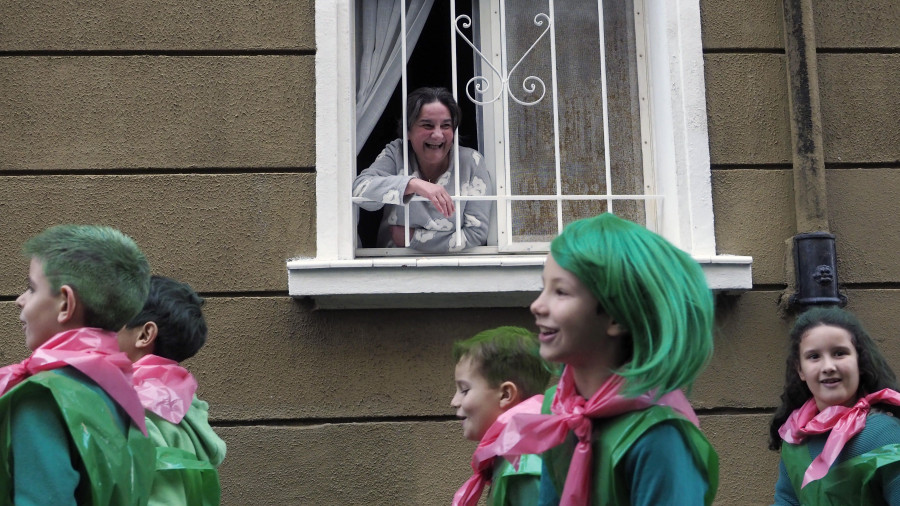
(836, 429)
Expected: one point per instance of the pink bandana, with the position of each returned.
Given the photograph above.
(843, 422)
(483, 463)
(528, 433)
(164, 387)
(94, 352)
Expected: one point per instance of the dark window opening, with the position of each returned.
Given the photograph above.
(429, 65)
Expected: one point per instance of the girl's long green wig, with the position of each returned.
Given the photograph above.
(658, 292)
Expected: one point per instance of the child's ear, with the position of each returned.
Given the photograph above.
(509, 395)
(800, 373)
(615, 329)
(147, 338)
(70, 312)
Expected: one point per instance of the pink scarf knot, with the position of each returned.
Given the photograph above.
(165, 388)
(536, 433)
(843, 422)
(483, 462)
(94, 352)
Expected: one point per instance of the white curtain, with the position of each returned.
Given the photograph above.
(378, 58)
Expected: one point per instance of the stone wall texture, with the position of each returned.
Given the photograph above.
(191, 126)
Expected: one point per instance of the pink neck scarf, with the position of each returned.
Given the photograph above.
(529, 433)
(165, 388)
(843, 422)
(483, 463)
(94, 352)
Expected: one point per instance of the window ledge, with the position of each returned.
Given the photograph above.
(455, 281)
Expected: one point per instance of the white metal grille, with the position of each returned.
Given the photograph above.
(561, 97)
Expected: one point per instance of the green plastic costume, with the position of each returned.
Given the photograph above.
(511, 487)
(852, 481)
(119, 468)
(613, 437)
(187, 455)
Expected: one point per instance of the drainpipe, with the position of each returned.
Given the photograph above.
(815, 259)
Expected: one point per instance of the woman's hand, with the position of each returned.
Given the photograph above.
(433, 192)
(397, 235)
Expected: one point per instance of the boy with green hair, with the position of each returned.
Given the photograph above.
(499, 372)
(169, 329)
(72, 428)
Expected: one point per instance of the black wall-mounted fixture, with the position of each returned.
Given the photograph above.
(815, 262)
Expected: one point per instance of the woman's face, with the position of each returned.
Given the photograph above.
(829, 365)
(431, 136)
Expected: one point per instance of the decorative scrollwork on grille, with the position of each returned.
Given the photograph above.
(481, 85)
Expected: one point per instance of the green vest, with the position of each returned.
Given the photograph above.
(853, 481)
(612, 438)
(180, 474)
(182, 477)
(504, 473)
(119, 469)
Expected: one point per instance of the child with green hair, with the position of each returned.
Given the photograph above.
(631, 317)
(169, 329)
(499, 372)
(72, 427)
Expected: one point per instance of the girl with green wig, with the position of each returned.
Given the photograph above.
(630, 316)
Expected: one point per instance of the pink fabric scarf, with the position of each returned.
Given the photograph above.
(529, 433)
(164, 387)
(94, 352)
(483, 462)
(843, 422)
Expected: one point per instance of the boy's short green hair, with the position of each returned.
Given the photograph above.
(104, 267)
(507, 354)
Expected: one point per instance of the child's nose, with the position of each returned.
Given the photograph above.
(537, 307)
(454, 402)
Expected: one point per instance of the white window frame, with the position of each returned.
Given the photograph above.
(679, 147)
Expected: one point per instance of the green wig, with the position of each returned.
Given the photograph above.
(507, 354)
(104, 267)
(658, 292)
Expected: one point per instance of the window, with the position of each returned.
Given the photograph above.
(651, 113)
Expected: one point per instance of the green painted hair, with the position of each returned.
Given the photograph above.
(658, 292)
(507, 354)
(104, 267)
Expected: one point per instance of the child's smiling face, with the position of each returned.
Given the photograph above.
(39, 307)
(829, 365)
(477, 403)
(572, 330)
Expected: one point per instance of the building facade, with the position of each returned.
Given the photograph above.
(192, 127)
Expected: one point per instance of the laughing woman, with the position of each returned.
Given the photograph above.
(431, 121)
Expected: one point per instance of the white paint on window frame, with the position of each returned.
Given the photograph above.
(677, 141)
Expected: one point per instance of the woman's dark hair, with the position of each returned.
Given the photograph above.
(423, 96)
(874, 372)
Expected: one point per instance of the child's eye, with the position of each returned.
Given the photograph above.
(812, 356)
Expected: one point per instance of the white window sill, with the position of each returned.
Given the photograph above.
(455, 281)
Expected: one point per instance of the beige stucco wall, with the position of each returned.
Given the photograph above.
(191, 127)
